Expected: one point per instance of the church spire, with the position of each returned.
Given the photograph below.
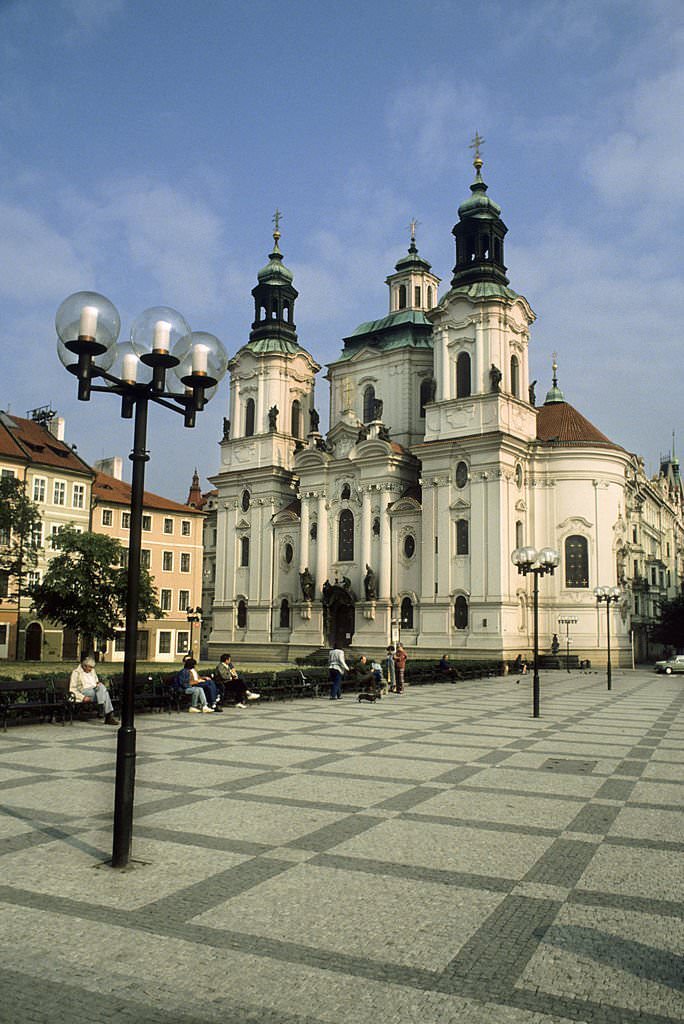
(274, 301)
(555, 395)
(479, 233)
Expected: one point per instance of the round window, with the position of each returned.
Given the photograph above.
(288, 553)
(245, 500)
(461, 474)
(409, 545)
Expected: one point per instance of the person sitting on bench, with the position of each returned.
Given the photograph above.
(226, 675)
(87, 688)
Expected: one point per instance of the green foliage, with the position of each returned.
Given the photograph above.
(670, 628)
(84, 587)
(19, 525)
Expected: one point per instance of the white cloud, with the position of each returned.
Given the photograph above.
(89, 17)
(36, 260)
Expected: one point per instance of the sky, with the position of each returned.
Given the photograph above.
(145, 146)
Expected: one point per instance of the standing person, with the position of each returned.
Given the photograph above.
(86, 687)
(234, 688)
(337, 666)
(389, 669)
(400, 659)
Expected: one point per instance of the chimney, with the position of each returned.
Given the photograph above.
(113, 466)
(56, 427)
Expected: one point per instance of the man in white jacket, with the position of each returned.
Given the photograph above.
(337, 666)
(85, 686)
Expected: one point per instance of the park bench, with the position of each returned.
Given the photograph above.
(31, 697)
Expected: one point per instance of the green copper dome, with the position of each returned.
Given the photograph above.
(554, 395)
(479, 204)
(412, 259)
(275, 271)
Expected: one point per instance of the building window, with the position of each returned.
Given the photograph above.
(183, 600)
(182, 641)
(125, 520)
(120, 641)
(402, 296)
(515, 377)
(576, 562)
(78, 496)
(519, 535)
(463, 375)
(123, 558)
(288, 553)
(164, 641)
(296, 419)
(107, 517)
(147, 523)
(461, 474)
(241, 615)
(33, 577)
(284, 614)
(8, 474)
(185, 561)
(409, 545)
(145, 558)
(345, 540)
(39, 488)
(427, 394)
(244, 551)
(167, 561)
(185, 528)
(461, 536)
(5, 536)
(416, 295)
(37, 537)
(165, 600)
(249, 417)
(168, 525)
(245, 501)
(59, 493)
(368, 404)
(461, 613)
(406, 613)
(4, 583)
(429, 297)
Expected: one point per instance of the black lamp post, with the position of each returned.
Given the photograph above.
(194, 615)
(567, 621)
(610, 595)
(539, 563)
(88, 328)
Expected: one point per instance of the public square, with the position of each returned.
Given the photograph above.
(440, 856)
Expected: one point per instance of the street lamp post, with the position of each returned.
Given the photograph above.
(194, 615)
(567, 621)
(539, 563)
(610, 595)
(88, 327)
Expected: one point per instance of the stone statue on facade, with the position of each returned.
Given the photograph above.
(533, 397)
(226, 429)
(314, 420)
(362, 434)
(383, 433)
(307, 584)
(377, 408)
(370, 585)
(495, 376)
(273, 418)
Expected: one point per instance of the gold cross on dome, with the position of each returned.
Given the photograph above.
(413, 224)
(475, 144)
(276, 219)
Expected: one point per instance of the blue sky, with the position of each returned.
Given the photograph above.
(144, 147)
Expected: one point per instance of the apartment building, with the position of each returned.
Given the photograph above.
(33, 450)
(171, 551)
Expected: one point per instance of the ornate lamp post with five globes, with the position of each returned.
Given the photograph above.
(539, 563)
(88, 327)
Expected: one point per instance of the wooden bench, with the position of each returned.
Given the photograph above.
(35, 696)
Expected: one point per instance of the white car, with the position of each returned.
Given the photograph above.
(674, 664)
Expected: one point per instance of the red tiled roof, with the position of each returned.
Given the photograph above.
(107, 490)
(560, 423)
(31, 442)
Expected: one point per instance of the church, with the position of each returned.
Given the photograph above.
(399, 522)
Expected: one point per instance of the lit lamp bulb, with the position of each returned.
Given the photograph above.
(129, 372)
(200, 359)
(88, 322)
(162, 336)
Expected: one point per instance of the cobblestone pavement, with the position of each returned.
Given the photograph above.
(436, 857)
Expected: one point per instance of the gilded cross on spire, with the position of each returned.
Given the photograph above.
(475, 144)
(413, 224)
(554, 367)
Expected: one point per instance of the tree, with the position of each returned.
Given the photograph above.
(84, 587)
(20, 527)
(670, 628)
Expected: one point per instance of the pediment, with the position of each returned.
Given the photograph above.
(460, 505)
(521, 505)
(403, 505)
(284, 517)
(242, 525)
(575, 521)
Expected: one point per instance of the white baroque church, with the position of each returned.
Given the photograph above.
(400, 521)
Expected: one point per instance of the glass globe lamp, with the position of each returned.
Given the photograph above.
(202, 360)
(87, 323)
(156, 332)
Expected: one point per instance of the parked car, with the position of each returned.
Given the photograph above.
(673, 664)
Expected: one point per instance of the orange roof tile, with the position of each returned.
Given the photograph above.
(31, 442)
(560, 423)
(108, 490)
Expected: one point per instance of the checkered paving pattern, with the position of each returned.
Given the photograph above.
(435, 857)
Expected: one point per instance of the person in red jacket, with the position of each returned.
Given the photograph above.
(400, 659)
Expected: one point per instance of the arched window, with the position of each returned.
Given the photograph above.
(484, 247)
(461, 536)
(288, 553)
(519, 535)
(497, 250)
(576, 561)
(368, 403)
(429, 297)
(296, 419)
(463, 375)
(417, 296)
(249, 417)
(406, 613)
(287, 312)
(345, 540)
(515, 377)
(346, 493)
(427, 394)
(245, 500)
(284, 614)
(461, 474)
(242, 615)
(461, 613)
(402, 296)
(244, 551)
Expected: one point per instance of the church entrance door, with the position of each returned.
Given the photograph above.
(341, 625)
